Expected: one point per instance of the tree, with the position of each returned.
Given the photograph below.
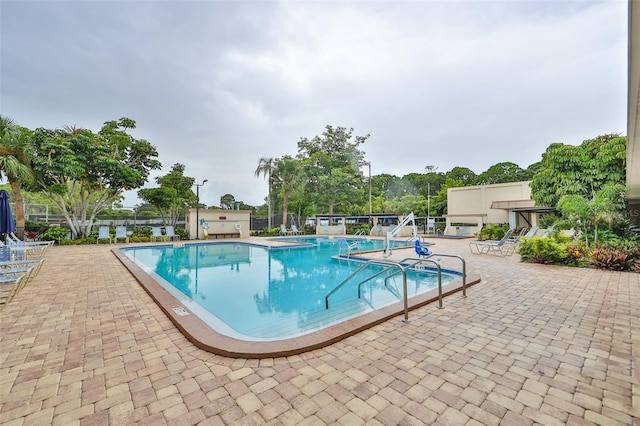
(332, 163)
(173, 196)
(463, 174)
(83, 172)
(587, 215)
(579, 170)
(14, 164)
(502, 173)
(228, 201)
(265, 168)
(288, 175)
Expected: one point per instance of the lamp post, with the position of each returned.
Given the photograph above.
(368, 163)
(428, 200)
(198, 185)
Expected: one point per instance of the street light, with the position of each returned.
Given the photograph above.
(368, 163)
(198, 185)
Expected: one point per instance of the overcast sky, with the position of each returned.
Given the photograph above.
(216, 85)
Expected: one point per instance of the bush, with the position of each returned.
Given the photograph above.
(54, 233)
(620, 256)
(492, 232)
(542, 250)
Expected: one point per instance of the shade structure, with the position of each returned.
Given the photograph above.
(7, 225)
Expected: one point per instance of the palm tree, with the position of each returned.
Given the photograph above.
(14, 164)
(265, 167)
(288, 174)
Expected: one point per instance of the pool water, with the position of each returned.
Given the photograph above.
(256, 292)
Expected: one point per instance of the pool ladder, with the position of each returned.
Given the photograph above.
(402, 267)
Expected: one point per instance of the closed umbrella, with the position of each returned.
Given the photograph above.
(7, 225)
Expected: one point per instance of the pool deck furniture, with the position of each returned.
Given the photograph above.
(103, 234)
(516, 351)
(157, 235)
(170, 234)
(503, 247)
(217, 235)
(121, 234)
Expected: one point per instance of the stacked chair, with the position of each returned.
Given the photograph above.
(20, 262)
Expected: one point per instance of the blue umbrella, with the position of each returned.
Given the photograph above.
(7, 225)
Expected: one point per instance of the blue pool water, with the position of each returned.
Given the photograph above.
(255, 292)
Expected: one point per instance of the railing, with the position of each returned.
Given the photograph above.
(402, 267)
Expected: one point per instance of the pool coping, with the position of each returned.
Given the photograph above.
(206, 338)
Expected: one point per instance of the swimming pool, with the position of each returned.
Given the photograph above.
(257, 292)
(279, 271)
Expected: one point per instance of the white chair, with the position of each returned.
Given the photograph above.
(121, 234)
(170, 233)
(103, 234)
(156, 234)
(343, 245)
(295, 230)
(283, 230)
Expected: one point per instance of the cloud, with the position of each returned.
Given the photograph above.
(217, 85)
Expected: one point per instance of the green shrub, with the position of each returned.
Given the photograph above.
(492, 232)
(542, 250)
(54, 233)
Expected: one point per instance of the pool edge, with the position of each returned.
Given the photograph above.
(204, 337)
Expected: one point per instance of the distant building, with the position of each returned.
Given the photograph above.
(471, 207)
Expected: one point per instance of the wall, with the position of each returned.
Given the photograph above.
(220, 222)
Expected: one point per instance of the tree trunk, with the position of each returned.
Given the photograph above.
(19, 213)
(285, 207)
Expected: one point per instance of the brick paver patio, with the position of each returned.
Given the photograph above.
(84, 344)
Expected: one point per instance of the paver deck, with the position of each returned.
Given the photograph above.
(83, 343)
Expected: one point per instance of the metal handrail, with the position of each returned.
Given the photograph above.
(363, 266)
(464, 267)
(403, 265)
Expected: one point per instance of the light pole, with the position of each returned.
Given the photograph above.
(428, 200)
(370, 205)
(198, 185)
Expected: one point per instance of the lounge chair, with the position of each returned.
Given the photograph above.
(283, 230)
(22, 251)
(16, 265)
(422, 251)
(103, 234)
(12, 280)
(13, 238)
(341, 229)
(170, 233)
(121, 234)
(156, 234)
(503, 247)
(532, 232)
(377, 230)
(343, 245)
(295, 230)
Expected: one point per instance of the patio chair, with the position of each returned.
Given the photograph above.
(343, 245)
(421, 251)
(170, 233)
(11, 282)
(24, 265)
(22, 251)
(503, 247)
(14, 238)
(295, 230)
(121, 234)
(532, 232)
(156, 234)
(376, 230)
(283, 230)
(103, 234)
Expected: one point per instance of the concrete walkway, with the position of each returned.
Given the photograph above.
(531, 344)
